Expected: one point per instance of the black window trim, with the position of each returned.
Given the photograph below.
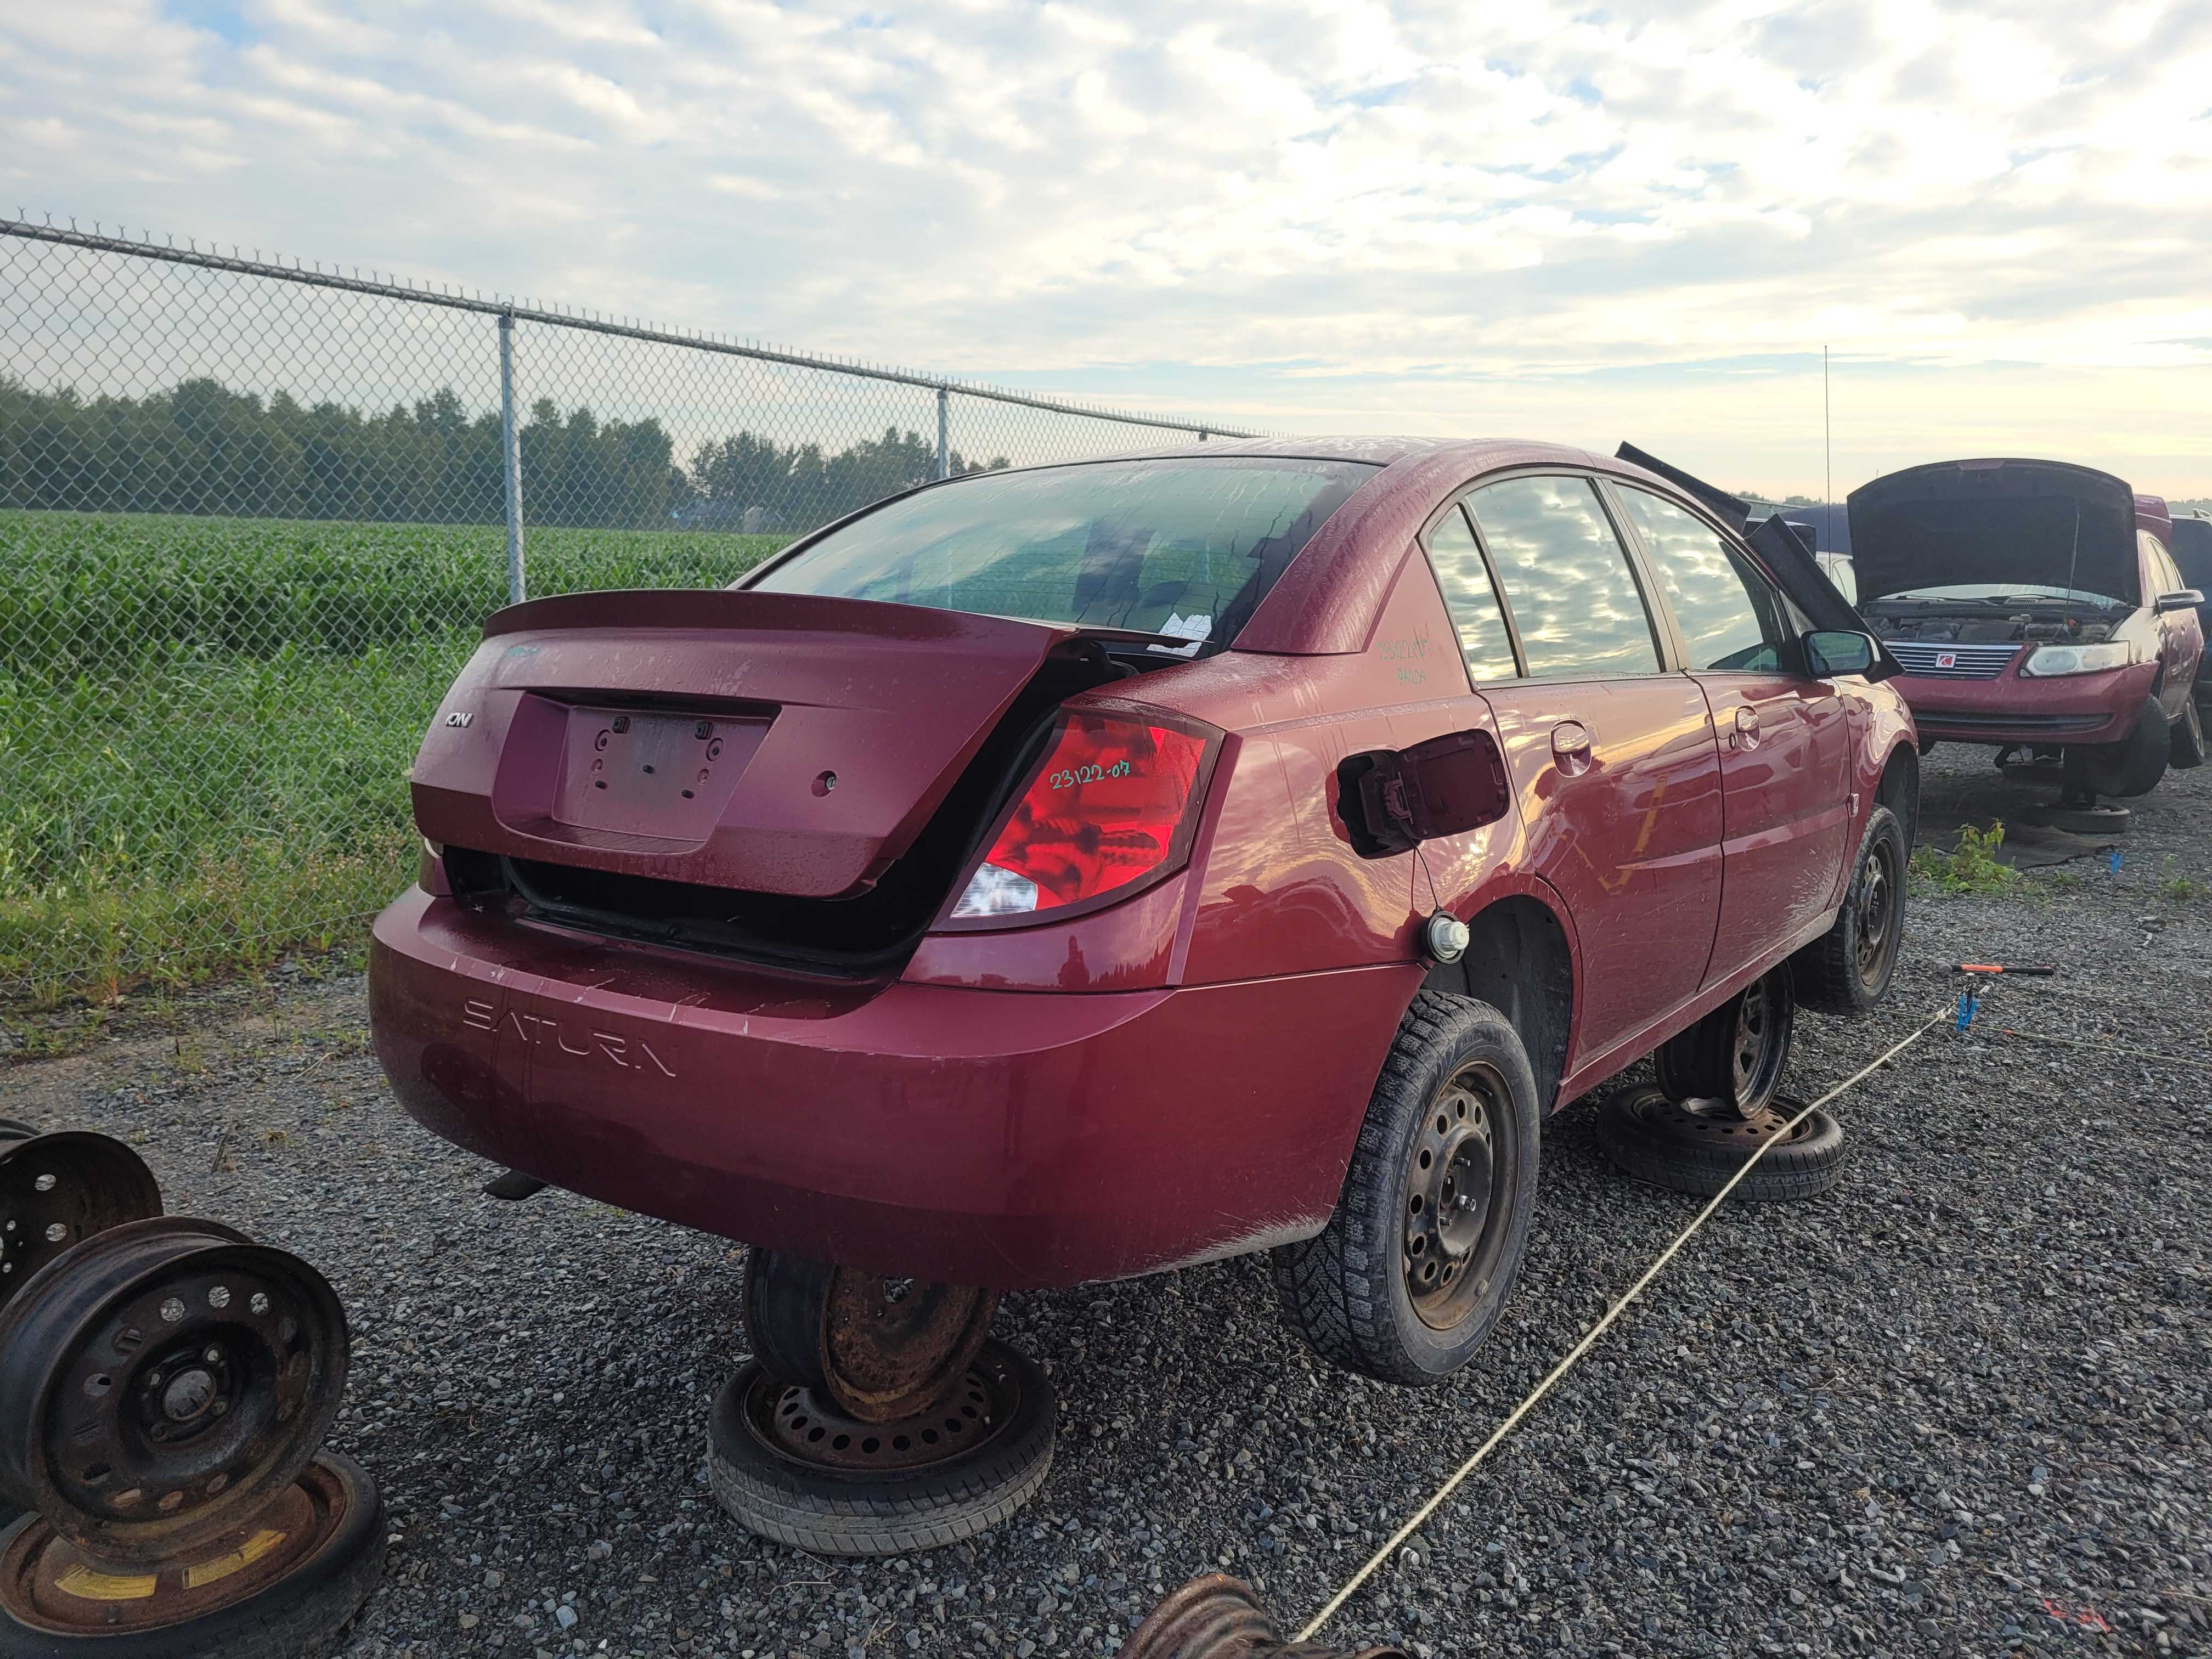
(1456, 502)
(1788, 652)
(1658, 616)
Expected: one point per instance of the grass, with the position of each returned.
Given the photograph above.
(206, 723)
(1970, 868)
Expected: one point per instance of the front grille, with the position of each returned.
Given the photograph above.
(1979, 722)
(1952, 662)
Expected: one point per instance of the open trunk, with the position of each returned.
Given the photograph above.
(782, 779)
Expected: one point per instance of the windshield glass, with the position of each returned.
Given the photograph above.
(1992, 593)
(1182, 548)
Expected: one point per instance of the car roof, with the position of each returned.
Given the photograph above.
(1375, 450)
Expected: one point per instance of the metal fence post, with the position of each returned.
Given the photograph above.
(511, 452)
(944, 432)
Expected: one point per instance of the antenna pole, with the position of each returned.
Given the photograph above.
(1828, 439)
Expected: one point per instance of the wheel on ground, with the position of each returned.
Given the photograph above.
(58, 1190)
(2132, 766)
(1848, 969)
(285, 1584)
(791, 1466)
(1737, 1052)
(162, 1381)
(1413, 1269)
(879, 1349)
(1696, 1146)
(1218, 1617)
(2185, 742)
(2092, 820)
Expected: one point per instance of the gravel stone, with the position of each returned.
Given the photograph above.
(1957, 1405)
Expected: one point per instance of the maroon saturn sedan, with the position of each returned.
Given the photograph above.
(2035, 606)
(1072, 872)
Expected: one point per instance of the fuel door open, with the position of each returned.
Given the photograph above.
(1393, 799)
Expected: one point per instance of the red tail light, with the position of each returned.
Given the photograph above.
(1108, 808)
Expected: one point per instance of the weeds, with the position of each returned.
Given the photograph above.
(1970, 868)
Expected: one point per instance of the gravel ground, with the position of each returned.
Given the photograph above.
(1957, 1406)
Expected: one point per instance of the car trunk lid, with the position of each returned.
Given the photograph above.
(780, 744)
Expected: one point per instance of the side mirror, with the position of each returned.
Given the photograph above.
(1833, 650)
(2187, 599)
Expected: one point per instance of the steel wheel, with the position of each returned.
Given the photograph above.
(1454, 1220)
(58, 1190)
(163, 1381)
(49, 1585)
(879, 1349)
(1218, 1617)
(1877, 912)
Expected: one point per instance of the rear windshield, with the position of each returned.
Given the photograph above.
(1185, 549)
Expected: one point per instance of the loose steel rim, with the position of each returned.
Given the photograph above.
(49, 1584)
(1218, 1617)
(798, 1425)
(57, 1190)
(1877, 910)
(1459, 1188)
(879, 1349)
(162, 1382)
(1719, 1123)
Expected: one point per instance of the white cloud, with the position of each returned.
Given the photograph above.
(1525, 193)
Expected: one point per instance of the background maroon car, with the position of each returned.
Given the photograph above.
(1026, 881)
(2034, 604)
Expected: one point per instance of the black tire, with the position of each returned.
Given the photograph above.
(302, 1614)
(845, 1512)
(1653, 1138)
(1847, 970)
(1738, 1052)
(1346, 1291)
(2185, 742)
(2132, 766)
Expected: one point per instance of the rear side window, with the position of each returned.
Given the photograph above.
(1184, 548)
(1471, 599)
(1730, 618)
(2192, 552)
(1567, 578)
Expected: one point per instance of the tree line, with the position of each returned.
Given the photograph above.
(200, 447)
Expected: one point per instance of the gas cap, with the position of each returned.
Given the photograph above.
(1444, 936)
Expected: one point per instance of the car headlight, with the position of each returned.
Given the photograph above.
(2046, 660)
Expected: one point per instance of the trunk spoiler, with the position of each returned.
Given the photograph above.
(1788, 558)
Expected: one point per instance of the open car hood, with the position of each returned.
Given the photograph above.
(2041, 523)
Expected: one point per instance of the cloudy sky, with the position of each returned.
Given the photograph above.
(1524, 218)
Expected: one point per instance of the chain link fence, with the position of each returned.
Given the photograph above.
(253, 513)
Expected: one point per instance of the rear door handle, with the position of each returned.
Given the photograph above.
(1570, 747)
(1746, 735)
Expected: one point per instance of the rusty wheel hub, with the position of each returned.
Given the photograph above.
(58, 1190)
(877, 1350)
(797, 1423)
(51, 1584)
(161, 1384)
(1218, 1617)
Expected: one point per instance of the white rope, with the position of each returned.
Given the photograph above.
(1589, 1339)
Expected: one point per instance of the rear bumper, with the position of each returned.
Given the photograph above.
(2084, 708)
(1004, 1139)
